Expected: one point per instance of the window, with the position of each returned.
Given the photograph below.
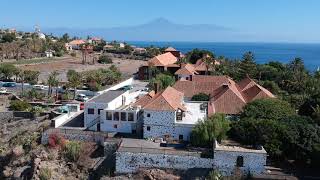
(116, 116)
(99, 110)
(180, 137)
(109, 115)
(148, 128)
(187, 78)
(179, 115)
(90, 111)
(203, 107)
(240, 161)
(148, 115)
(130, 117)
(123, 116)
(134, 131)
(115, 126)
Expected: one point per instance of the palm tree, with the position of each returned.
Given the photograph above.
(74, 79)
(209, 62)
(52, 81)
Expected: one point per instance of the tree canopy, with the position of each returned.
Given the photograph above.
(206, 131)
(197, 54)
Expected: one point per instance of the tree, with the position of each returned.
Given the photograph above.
(8, 70)
(163, 81)
(268, 108)
(31, 76)
(74, 80)
(200, 97)
(311, 108)
(206, 131)
(209, 62)
(8, 37)
(52, 81)
(248, 66)
(196, 54)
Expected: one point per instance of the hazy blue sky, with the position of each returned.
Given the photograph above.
(299, 19)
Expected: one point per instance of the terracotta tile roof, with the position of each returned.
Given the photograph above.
(228, 100)
(77, 42)
(163, 60)
(168, 100)
(170, 49)
(201, 84)
(226, 96)
(201, 65)
(144, 100)
(187, 69)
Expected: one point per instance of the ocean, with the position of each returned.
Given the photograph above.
(264, 52)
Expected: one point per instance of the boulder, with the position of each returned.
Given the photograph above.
(17, 151)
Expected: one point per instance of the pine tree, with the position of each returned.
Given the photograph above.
(248, 66)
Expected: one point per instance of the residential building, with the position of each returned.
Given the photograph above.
(160, 63)
(173, 51)
(76, 44)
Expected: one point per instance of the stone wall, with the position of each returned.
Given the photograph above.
(127, 162)
(75, 135)
(226, 162)
(12, 115)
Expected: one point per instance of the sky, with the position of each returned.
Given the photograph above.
(299, 20)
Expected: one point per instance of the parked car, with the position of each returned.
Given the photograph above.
(126, 88)
(3, 90)
(9, 84)
(82, 97)
(38, 87)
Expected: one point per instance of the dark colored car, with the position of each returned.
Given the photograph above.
(9, 84)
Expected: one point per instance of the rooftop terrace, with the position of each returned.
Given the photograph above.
(107, 96)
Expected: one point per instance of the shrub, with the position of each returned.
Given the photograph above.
(72, 151)
(17, 105)
(200, 97)
(104, 59)
(73, 54)
(45, 174)
(214, 175)
(56, 141)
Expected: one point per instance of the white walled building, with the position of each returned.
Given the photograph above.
(168, 116)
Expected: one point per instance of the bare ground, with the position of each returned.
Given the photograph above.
(126, 66)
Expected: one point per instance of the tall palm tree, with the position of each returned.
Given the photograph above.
(74, 79)
(52, 81)
(209, 62)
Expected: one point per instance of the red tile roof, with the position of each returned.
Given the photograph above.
(187, 69)
(168, 100)
(226, 96)
(144, 100)
(163, 60)
(77, 42)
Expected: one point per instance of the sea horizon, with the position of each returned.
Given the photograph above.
(264, 51)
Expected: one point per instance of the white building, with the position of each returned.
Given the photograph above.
(167, 115)
(112, 112)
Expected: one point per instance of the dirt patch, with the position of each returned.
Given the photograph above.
(126, 66)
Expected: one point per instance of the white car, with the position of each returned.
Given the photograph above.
(39, 87)
(82, 97)
(3, 90)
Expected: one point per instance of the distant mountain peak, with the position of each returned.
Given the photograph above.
(160, 21)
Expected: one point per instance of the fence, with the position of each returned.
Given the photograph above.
(166, 151)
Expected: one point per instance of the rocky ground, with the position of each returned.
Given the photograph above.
(22, 156)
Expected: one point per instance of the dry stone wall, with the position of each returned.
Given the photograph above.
(127, 162)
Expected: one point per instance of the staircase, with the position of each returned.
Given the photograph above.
(93, 123)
